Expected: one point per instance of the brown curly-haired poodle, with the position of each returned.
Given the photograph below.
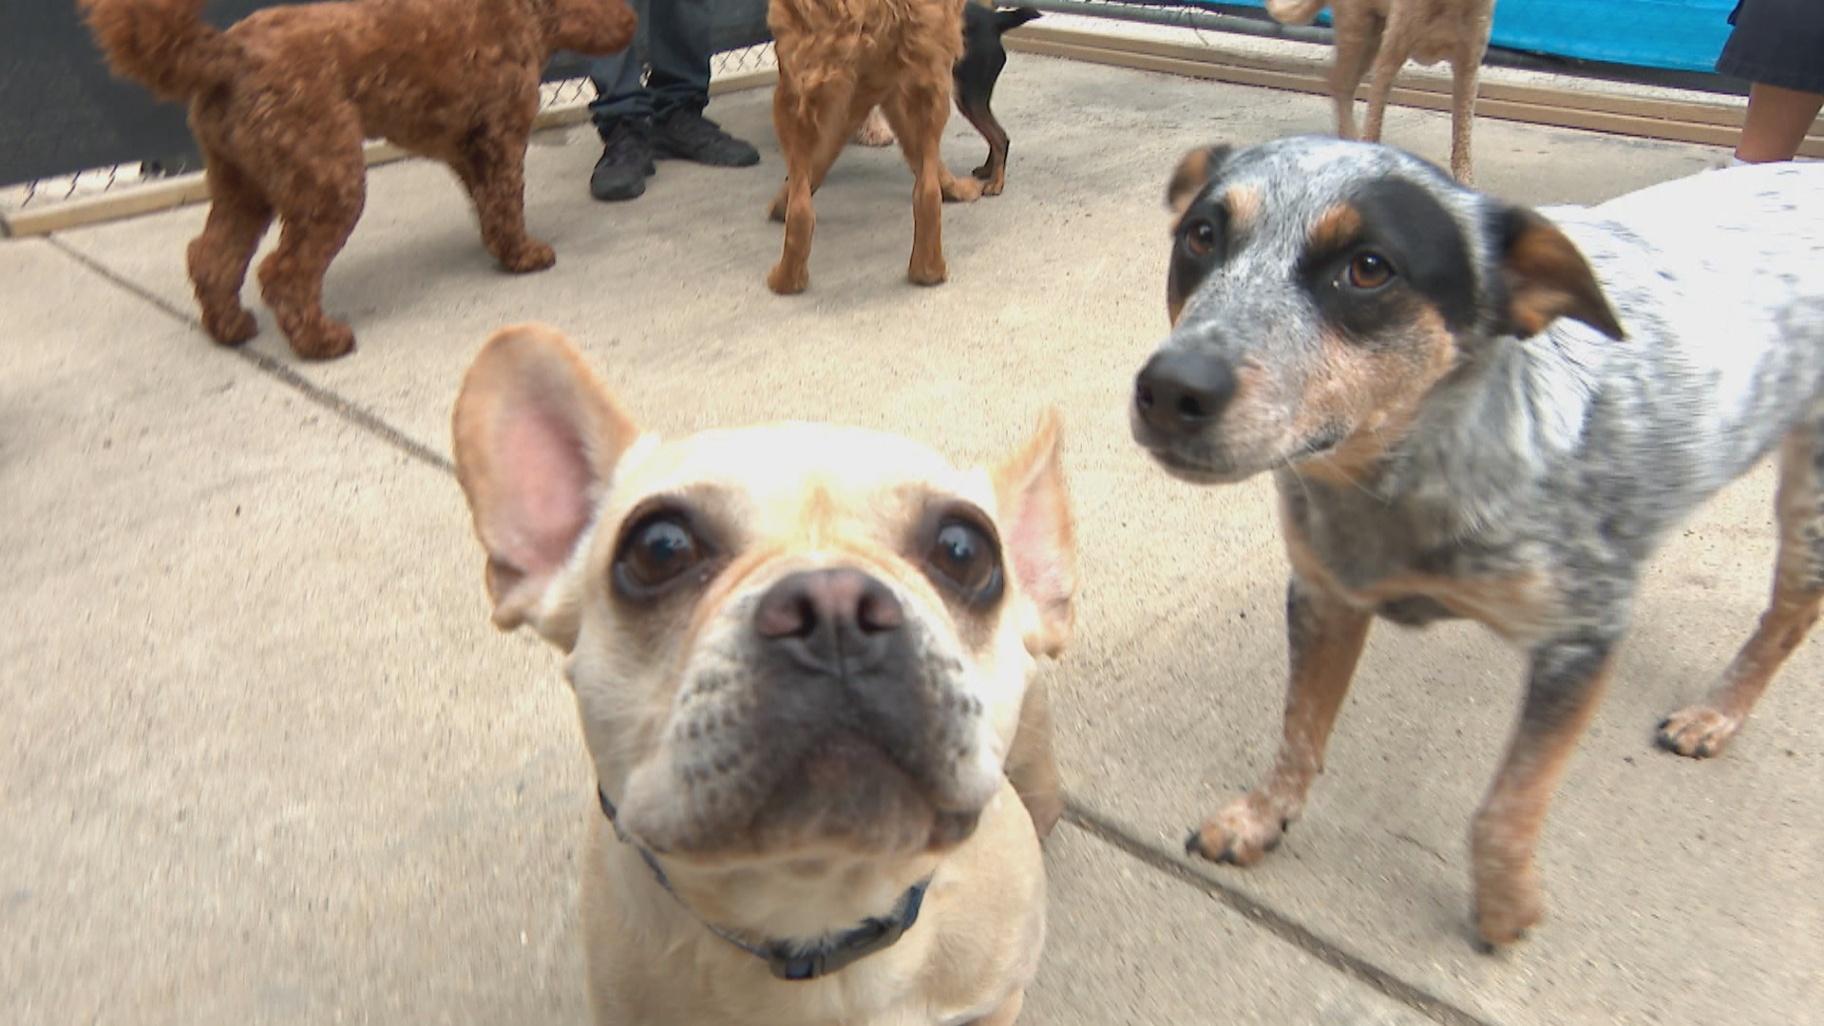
(838, 59)
(281, 102)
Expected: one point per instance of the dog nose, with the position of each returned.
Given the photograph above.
(1180, 393)
(830, 621)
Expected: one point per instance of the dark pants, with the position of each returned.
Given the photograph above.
(674, 42)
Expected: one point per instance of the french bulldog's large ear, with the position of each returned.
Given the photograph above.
(1194, 171)
(1545, 277)
(1040, 535)
(537, 437)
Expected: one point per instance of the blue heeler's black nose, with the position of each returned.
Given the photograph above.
(1182, 393)
(830, 621)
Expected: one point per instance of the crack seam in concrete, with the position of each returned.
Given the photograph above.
(1299, 936)
(354, 413)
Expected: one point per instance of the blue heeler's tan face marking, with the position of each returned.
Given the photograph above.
(1319, 290)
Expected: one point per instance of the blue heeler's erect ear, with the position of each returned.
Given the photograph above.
(1194, 171)
(1544, 277)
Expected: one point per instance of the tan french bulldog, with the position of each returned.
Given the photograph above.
(801, 657)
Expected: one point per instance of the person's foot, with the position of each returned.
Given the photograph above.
(688, 135)
(626, 161)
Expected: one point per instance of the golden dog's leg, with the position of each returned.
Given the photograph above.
(1704, 729)
(804, 122)
(829, 147)
(1396, 46)
(1358, 39)
(917, 115)
(1465, 73)
(1325, 638)
(1564, 682)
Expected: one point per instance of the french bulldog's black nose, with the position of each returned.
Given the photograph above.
(830, 621)
(1182, 393)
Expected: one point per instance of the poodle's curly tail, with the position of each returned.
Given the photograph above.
(1294, 12)
(165, 45)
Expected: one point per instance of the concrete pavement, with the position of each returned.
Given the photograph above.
(263, 760)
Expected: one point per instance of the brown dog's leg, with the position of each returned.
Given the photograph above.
(1465, 71)
(1032, 765)
(1704, 729)
(1565, 680)
(1396, 46)
(1358, 39)
(992, 174)
(238, 216)
(1325, 638)
(318, 208)
(492, 166)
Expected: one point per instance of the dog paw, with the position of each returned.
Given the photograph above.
(328, 342)
(982, 173)
(1697, 732)
(1240, 835)
(1505, 913)
(232, 330)
(962, 190)
(933, 273)
(532, 256)
(992, 187)
(787, 281)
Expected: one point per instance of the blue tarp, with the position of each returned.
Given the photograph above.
(1679, 35)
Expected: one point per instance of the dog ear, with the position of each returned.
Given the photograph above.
(537, 437)
(1194, 171)
(1545, 277)
(1040, 533)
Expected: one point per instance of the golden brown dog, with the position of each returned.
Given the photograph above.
(800, 654)
(1384, 34)
(838, 59)
(281, 102)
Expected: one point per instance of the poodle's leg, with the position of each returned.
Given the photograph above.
(218, 258)
(492, 166)
(319, 194)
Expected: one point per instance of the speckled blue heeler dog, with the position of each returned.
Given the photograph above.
(1475, 410)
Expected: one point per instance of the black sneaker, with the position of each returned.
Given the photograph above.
(688, 135)
(626, 161)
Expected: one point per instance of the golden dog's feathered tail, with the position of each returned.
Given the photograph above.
(165, 45)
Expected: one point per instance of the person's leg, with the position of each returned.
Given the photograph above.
(678, 50)
(619, 93)
(1778, 119)
(622, 112)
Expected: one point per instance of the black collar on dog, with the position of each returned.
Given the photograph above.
(790, 961)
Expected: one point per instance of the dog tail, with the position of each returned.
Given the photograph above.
(164, 45)
(1006, 18)
(1294, 12)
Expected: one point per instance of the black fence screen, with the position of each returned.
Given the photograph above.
(61, 112)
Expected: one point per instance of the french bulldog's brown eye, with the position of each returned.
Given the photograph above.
(1369, 270)
(657, 552)
(1200, 238)
(967, 558)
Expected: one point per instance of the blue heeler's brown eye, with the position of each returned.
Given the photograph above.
(1369, 270)
(1200, 238)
